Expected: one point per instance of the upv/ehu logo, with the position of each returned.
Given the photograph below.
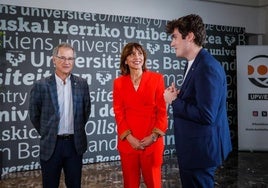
(258, 70)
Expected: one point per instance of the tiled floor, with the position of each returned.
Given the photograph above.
(241, 170)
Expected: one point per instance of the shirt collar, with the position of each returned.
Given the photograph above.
(60, 81)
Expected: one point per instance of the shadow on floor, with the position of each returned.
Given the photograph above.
(241, 170)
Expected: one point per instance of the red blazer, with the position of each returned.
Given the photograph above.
(140, 112)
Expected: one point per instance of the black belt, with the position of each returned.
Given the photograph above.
(65, 136)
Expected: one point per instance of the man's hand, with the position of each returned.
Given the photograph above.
(171, 93)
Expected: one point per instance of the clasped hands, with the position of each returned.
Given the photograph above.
(170, 93)
(140, 144)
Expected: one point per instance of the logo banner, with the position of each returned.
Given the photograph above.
(252, 92)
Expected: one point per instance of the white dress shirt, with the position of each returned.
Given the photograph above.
(188, 68)
(65, 101)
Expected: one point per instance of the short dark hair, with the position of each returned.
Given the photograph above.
(127, 50)
(186, 24)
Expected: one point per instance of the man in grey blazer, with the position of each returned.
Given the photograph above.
(59, 109)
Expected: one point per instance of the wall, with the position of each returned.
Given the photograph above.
(266, 21)
(15, 133)
(253, 19)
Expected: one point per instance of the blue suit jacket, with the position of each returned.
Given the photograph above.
(201, 129)
(44, 113)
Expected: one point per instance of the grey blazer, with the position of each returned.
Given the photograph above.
(44, 113)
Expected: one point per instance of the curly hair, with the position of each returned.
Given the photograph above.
(186, 24)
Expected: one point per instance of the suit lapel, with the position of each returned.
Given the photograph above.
(192, 69)
(188, 76)
(74, 92)
(53, 92)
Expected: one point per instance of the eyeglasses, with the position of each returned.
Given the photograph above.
(63, 59)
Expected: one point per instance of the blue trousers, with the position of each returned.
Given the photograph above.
(198, 178)
(66, 158)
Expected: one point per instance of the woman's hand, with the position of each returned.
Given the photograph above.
(148, 140)
(134, 142)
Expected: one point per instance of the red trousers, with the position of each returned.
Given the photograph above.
(136, 165)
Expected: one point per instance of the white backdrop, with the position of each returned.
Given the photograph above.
(252, 97)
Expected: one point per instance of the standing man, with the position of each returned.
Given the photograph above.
(201, 129)
(59, 110)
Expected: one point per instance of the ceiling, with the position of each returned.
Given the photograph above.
(248, 3)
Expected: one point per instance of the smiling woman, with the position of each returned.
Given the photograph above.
(141, 118)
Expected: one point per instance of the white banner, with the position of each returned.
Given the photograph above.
(252, 97)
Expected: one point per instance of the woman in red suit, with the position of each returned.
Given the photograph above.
(141, 117)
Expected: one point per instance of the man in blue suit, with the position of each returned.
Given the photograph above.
(59, 109)
(201, 129)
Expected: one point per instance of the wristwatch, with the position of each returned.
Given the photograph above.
(154, 138)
